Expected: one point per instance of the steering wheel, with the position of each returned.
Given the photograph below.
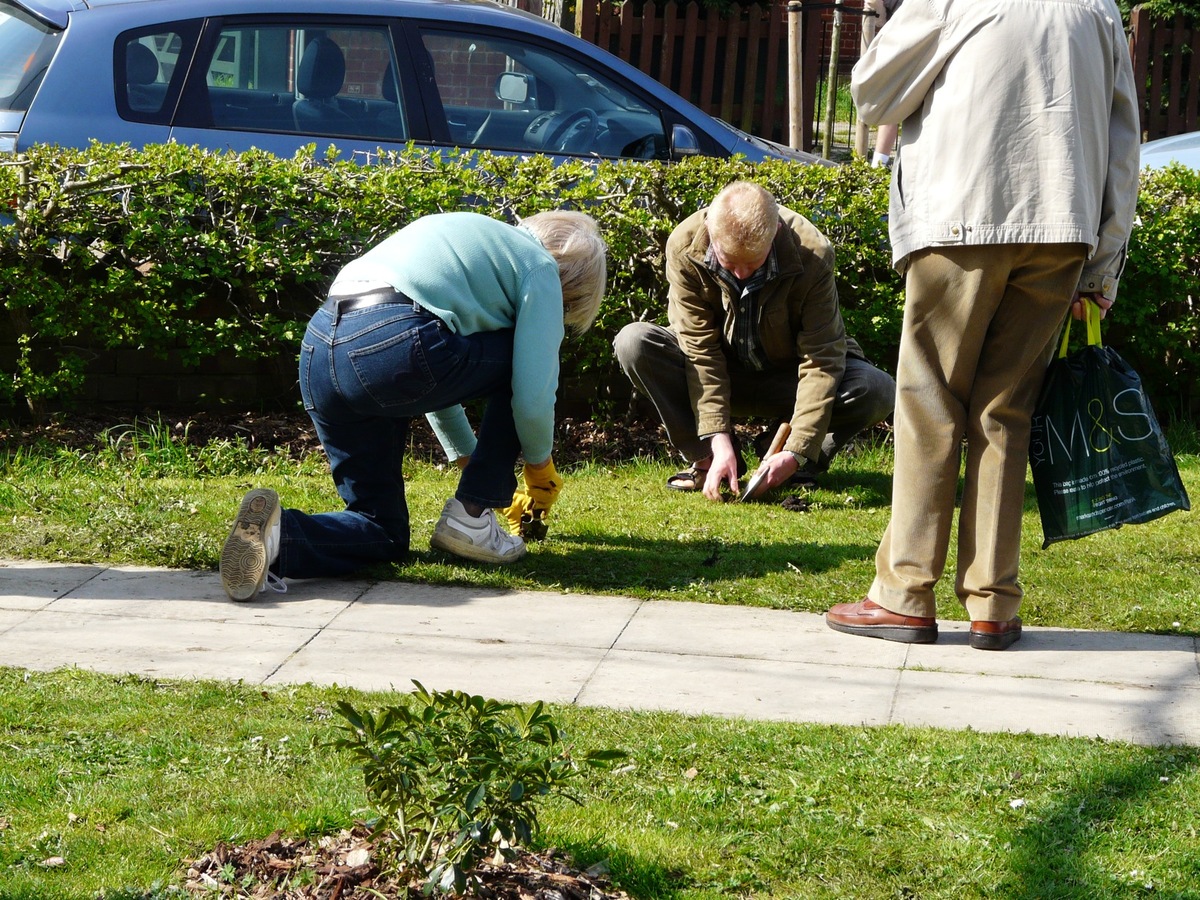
(575, 133)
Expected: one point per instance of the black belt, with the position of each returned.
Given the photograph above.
(344, 304)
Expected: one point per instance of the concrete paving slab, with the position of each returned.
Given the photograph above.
(495, 668)
(743, 688)
(152, 647)
(1150, 660)
(995, 703)
(29, 585)
(669, 626)
(568, 620)
(615, 652)
(11, 618)
(198, 596)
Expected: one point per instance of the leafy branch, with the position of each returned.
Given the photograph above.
(456, 778)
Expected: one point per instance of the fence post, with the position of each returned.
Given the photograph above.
(795, 78)
(832, 80)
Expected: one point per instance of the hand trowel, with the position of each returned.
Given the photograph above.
(759, 480)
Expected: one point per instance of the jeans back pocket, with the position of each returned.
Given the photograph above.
(395, 370)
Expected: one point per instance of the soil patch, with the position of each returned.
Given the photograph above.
(576, 439)
(346, 867)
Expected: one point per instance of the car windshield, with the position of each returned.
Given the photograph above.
(26, 47)
(510, 94)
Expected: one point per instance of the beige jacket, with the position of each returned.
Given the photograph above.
(800, 325)
(1020, 125)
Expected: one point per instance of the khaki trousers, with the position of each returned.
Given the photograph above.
(979, 330)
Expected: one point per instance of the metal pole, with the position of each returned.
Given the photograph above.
(831, 80)
(795, 77)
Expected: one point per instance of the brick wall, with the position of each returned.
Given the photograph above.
(466, 77)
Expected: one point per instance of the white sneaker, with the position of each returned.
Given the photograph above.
(480, 539)
(252, 545)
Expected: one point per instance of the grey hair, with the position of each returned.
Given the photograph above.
(743, 219)
(575, 242)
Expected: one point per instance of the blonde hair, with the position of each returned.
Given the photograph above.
(743, 219)
(574, 241)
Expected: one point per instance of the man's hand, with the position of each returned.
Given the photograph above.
(780, 467)
(1078, 310)
(724, 468)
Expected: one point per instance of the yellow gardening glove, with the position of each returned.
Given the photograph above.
(532, 501)
(543, 485)
(522, 508)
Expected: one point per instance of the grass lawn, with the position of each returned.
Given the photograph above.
(615, 530)
(122, 778)
(106, 783)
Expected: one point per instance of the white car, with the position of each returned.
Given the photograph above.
(1181, 148)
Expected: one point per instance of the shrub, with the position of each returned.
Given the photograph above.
(1156, 322)
(456, 778)
(192, 254)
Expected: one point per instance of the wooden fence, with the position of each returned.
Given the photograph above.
(735, 67)
(1166, 66)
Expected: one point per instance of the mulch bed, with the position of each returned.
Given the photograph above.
(576, 439)
(292, 433)
(346, 867)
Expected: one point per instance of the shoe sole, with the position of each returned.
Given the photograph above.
(446, 540)
(903, 634)
(981, 641)
(244, 556)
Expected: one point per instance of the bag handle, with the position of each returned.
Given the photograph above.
(1093, 329)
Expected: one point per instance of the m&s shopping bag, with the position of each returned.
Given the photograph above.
(1098, 455)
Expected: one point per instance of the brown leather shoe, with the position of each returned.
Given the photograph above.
(995, 635)
(869, 619)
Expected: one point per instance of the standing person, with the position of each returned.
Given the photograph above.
(1011, 204)
(453, 307)
(756, 330)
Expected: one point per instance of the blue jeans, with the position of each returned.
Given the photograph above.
(364, 374)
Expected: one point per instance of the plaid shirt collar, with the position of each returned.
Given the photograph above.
(746, 342)
(764, 273)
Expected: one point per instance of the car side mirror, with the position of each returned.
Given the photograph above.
(513, 87)
(683, 142)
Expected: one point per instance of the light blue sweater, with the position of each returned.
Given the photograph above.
(478, 274)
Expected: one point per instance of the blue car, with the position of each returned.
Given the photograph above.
(357, 74)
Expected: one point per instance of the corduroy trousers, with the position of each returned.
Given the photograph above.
(979, 331)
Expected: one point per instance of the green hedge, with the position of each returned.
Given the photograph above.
(172, 248)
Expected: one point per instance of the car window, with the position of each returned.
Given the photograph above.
(298, 79)
(146, 65)
(506, 94)
(26, 48)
